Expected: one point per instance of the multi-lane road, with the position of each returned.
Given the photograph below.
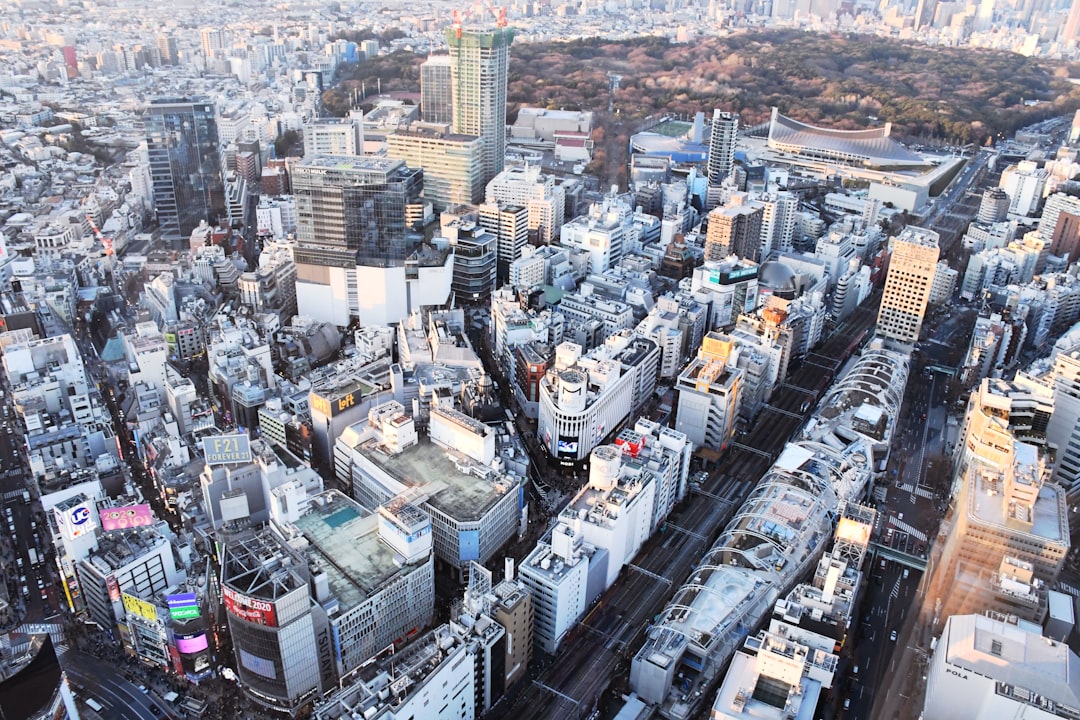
(598, 651)
(101, 681)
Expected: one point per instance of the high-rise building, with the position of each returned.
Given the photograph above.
(542, 197)
(1072, 25)
(908, 284)
(334, 136)
(453, 164)
(709, 389)
(354, 231)
(735, 229)
(509, 223)
(479, 67)
(213, 42)
(436, 90)
(1010, 534)
(170, 55)
(725, 126)
(994, 206)
(1059, 226)
(185, 164)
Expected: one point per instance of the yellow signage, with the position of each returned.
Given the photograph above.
(139, 607)
(331, 408)
(321, 404)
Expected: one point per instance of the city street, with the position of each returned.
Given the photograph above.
(595, 655)
(103, 682)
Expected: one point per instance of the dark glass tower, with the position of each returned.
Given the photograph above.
(185, 167)
(354, 211)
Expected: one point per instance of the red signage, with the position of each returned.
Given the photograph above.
(249, 609)
(631, 447)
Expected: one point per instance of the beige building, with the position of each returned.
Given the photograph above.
(452, 163)
(1010, 532)
(908, 285)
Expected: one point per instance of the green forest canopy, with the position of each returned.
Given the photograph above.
(836, 81)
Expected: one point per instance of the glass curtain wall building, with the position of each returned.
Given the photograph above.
(185, 165)
(351, 211)
(479, 67)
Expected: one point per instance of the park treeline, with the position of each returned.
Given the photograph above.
(840, 81)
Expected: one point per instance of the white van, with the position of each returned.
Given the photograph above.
(94, 704)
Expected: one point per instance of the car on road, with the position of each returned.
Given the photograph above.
(892, 636)
(155, 710)
(143, 690)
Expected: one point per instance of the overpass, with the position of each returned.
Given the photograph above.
(907, 559)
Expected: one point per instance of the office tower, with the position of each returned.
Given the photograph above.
(735, 229)
(71, 61)
(170, 55)
(725, 126)
(542, 197)
(509, 223)
(453, 164)
(479, 63)
(1064, 427)
(182, 143)
(1072, 24)
(1059, 226)
(213, 42)
(357, 255)
(1010, 534)
(994, 206)
(352, 210)
(924, 13)
(436, 90)
(475, 256)
(334, 136)
(709, 389)
(907, 286)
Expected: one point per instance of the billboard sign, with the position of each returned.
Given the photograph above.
(183, 606)
(138, 606)
(226, 449)
(249, 609)
(188, 645)
(258, 665)
(76, 521)
(332, 407)
(126, 517)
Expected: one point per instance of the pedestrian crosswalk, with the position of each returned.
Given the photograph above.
(919, 491)
(53, 630)
(913, 532)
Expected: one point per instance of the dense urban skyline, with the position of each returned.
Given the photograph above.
(442, 399)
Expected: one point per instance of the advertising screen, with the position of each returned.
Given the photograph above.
(183, 606)
(258, 665)
(251, 609)
(126, 517)
(568, 446)
(191, 645)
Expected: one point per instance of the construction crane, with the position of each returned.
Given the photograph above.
(498, 12)
(107, 243)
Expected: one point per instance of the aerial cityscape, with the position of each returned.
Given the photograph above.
(605, 360)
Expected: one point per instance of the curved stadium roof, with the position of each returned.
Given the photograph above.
(871, 148)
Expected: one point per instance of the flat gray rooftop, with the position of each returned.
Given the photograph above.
(461, 495)
(347, 543)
